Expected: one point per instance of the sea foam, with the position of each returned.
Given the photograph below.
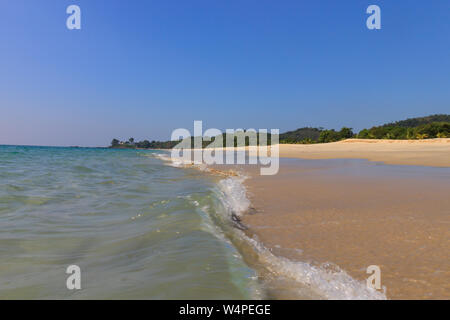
(333, 284)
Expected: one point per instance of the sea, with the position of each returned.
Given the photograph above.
(138, 226)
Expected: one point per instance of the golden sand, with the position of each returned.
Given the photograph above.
(398, 222)
(401, 225)
(429, 152)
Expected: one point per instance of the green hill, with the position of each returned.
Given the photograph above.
(434, 126)
(415, 122)
(302, 134)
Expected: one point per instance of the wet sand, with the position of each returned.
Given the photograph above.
(392, 211)
(356, 213)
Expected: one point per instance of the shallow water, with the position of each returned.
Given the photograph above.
(350, 214)
(137, 228)
(141, 227)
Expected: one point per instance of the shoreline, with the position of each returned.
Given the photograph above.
(322, 216)
(304, 215)
(280, 277)
(427, 152)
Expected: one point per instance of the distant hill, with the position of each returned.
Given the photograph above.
(434, 126)
(301, 134)
(415, 122)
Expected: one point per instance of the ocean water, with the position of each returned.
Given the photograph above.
(139, 227)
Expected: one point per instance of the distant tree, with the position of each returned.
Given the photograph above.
(423, 129)
(301, 134)
(114, 143)
(363, 134)
(346, 133)
(143, 144)
(416, 122)
(329, 136)
(435, 126)
(410, 133)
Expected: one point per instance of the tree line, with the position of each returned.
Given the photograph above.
(434, 126)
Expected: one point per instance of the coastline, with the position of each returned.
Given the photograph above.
(426, 152)
(317, 212)
(310, 220)
(279, 276)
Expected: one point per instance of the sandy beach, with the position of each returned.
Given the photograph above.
(428, 152)
(356, 213)
(309, 212)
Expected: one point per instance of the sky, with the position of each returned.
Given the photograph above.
(143, 68)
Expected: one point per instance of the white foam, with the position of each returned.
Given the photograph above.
(178, 162)
(333, 284)
(235, 198)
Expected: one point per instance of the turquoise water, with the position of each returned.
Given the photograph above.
(137, 228)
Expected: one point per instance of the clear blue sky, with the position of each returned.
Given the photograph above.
(142, 68)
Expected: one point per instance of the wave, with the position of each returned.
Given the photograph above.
(178, 162)
(329, 284)
(304, 279)
(236, 195)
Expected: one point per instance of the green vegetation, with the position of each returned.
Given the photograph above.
(237, 137)
(434, 126)
(333, 136)
(130, 144)
(315, 135)
(303, 135)
(415, 122)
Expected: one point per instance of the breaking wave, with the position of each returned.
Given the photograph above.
(305, 280)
